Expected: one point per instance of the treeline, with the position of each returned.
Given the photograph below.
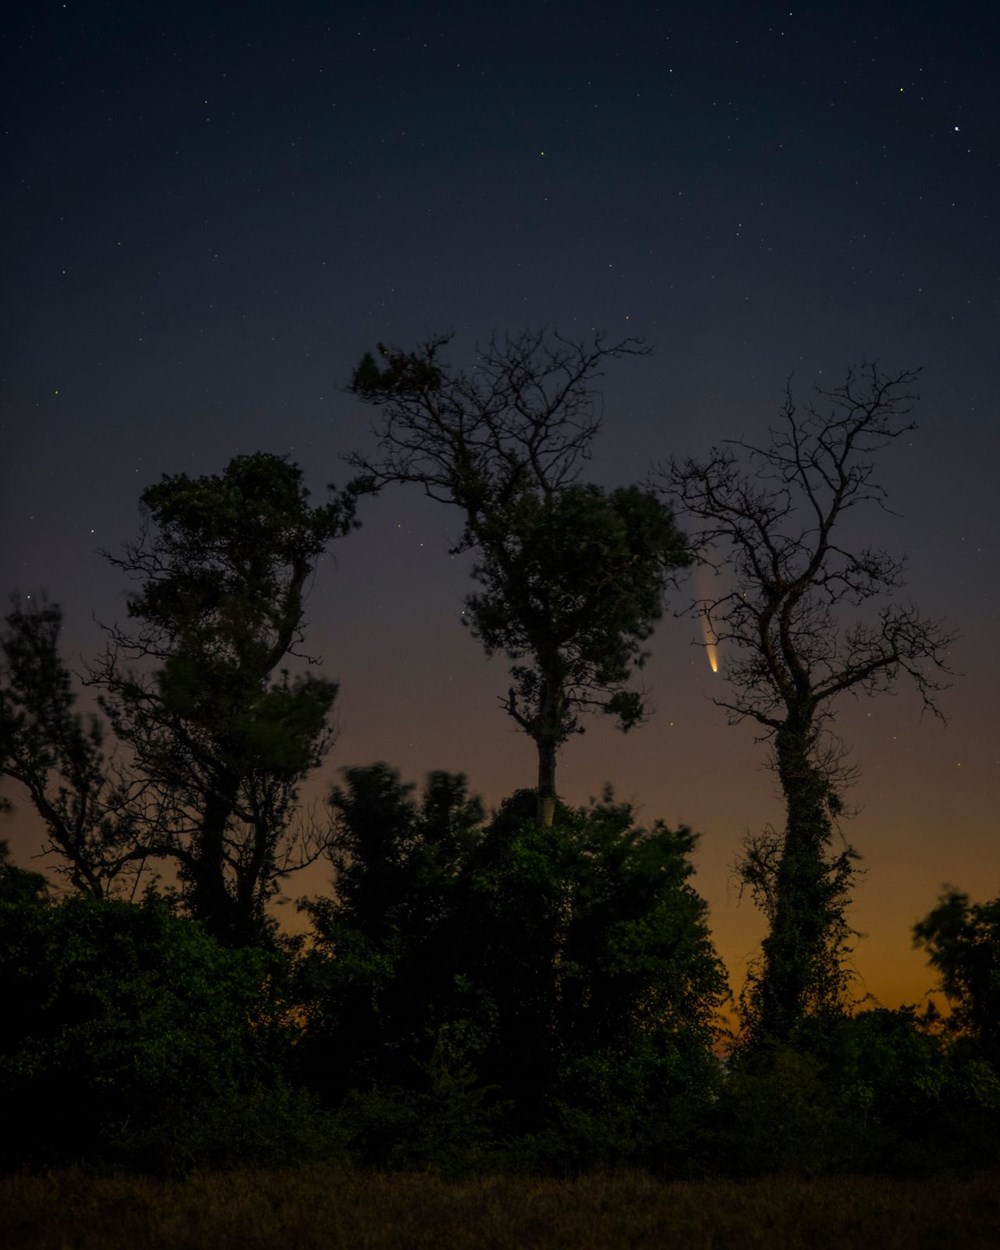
(535, 988)
(479, 996)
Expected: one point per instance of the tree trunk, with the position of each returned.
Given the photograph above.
(208, 898)
(549, 734)
(797, 948)
(546, 781)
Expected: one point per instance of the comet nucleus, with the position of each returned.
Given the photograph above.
(710, 641)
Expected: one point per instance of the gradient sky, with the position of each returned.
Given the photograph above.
(212, 209)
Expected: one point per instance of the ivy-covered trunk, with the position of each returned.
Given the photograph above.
(807, 901)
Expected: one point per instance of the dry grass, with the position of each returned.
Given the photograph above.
(327, 1208)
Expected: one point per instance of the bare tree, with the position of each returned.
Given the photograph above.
(572, 576)
(805, 618)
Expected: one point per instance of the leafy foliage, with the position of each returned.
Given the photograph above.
(533, 991)
(573, 577)
(879, 1091)
(962, 939)
(130, 1037)
(573, 583)
(552, 984)
(591, 947)
(220, 733)
(379, 964)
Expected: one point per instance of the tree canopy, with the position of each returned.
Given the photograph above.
(573, 576)
(214, 729)
(962, 941)
(220, 729)
(541, 979)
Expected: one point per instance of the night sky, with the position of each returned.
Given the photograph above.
(212, 210)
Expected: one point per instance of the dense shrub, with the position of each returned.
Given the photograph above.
(129, 1037)
(532, 992)
(962, 940)
(879, 1091)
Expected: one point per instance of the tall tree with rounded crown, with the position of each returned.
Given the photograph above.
(572, 576)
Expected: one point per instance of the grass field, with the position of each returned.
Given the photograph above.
(326, 1207)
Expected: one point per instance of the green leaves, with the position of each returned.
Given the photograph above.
(572, 577)
(556, 966)
(405, 373)
(220, 730)
(229, 554)
(573, 583)
(962, 940)
(120, 1021)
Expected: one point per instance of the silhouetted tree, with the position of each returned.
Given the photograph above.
(962, 940)
(560, 977)
(198, 691)
(572, 585)
(773, 515)
(573, 576)
(589, 947)
(378, 970)
(58, 756)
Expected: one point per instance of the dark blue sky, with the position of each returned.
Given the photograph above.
(211, 210)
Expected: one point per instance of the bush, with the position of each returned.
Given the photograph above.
(129, 1037)
(553, 987)
(879, 1091)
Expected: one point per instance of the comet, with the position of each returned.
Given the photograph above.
(711, 642)
(705, 596)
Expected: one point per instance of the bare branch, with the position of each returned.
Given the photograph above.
(790, 646)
